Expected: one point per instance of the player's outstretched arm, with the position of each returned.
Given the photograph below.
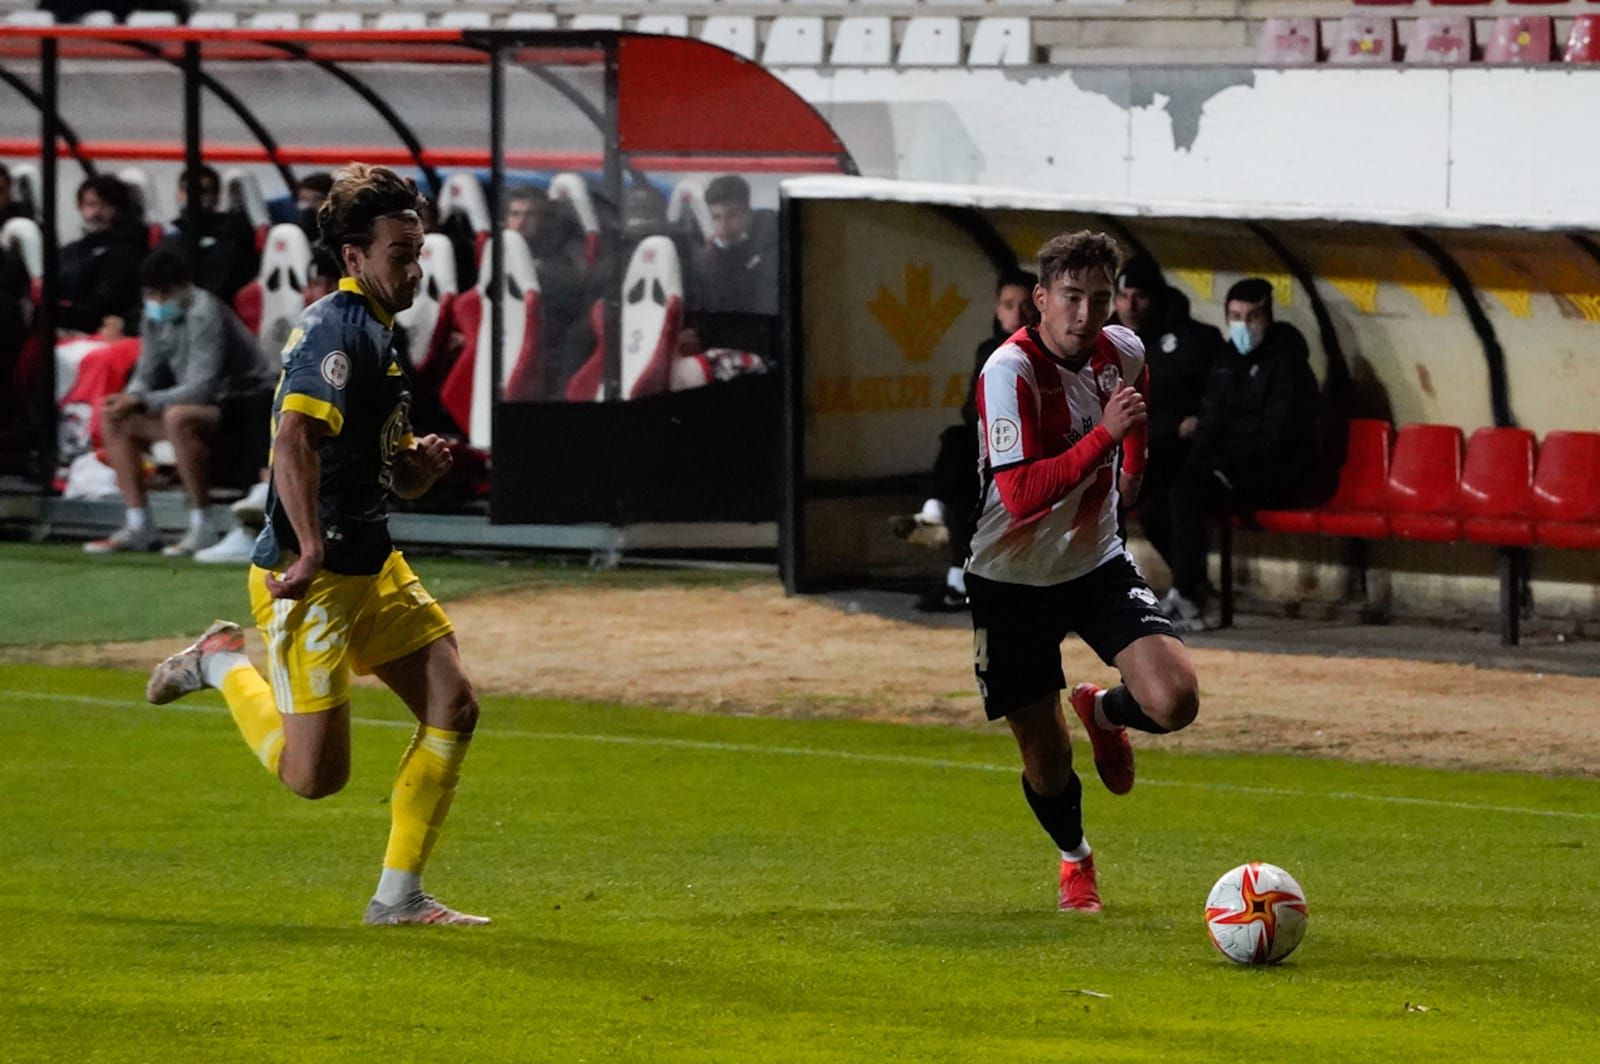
(419, 468)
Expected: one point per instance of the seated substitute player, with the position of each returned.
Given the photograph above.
(328, 589)
(1054, 405)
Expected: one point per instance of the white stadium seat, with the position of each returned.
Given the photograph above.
(531, 20)
(98, 18)
(667, 25)
(465, 20)
(794, 40)
(329, 21)
(519, 302)
(401, 20)
(150, 19)
(931, 41)
(736, 33)
(24, 237)
(862, 41)
(241, 191)
(1001, 42)
(464, 193)
(285, 265)
(275, 20)
(213, 20)
(595, 22)
(30, 18)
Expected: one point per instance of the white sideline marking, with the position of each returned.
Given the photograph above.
(852, 755)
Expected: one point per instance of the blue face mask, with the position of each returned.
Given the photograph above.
(158, 311)
(1244, 341)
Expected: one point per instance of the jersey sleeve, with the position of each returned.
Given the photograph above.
(1131, 358)
(316, 372)
(1008, 410)
(1129, 348)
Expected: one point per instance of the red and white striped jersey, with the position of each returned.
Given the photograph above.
(1047, 523)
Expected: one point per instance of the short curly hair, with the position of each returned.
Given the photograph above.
(1083, 250)
(361, 194)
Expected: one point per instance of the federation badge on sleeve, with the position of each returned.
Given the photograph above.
(336, 369)
(1002, 435)
(1106, 380)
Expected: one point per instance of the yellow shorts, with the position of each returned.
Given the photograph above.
(343, 623)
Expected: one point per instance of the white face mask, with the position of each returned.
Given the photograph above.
(1245, 339)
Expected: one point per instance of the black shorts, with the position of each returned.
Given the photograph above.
(1017, 629)
(244, 438)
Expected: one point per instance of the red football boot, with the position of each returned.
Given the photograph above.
(1113, 754)
(1079, 891)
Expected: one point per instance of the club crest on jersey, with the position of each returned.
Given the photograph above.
(336, 369)
(1002, 435)
(1142, 594)
(1106, 379)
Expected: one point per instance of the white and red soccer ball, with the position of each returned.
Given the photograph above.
(1256, 914)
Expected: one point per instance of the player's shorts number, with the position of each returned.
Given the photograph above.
(321, 634)
(980, 649)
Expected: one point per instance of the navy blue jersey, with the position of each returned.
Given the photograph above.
(340, 367)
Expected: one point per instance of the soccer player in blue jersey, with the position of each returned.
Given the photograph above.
(327, 588)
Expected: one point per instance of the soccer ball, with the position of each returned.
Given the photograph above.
(1256, 914)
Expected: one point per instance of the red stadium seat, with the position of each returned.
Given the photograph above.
(1424, 483)
(1566, 491)
(1359, 40)
(1361, 477)
(1356, 508)
(1497, 488)
(1520, 39)
(1287, 42)
(1440, 39)
(1583, 43)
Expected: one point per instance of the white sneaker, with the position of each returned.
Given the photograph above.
(195, 539)
(124, 539)
(1186, 615)
(252, 509)
(233, 549)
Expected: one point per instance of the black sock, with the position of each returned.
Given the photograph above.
(1123, 710)
(1060, 815)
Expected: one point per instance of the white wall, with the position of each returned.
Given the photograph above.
(1504, 144)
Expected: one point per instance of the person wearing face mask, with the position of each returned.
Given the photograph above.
(99, 278)
(201, 379)
(1253, 443)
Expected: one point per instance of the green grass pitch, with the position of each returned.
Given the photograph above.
(670, 887)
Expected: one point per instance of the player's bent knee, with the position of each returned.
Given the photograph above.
(461, 713)
(318, 786)
(1176, 705)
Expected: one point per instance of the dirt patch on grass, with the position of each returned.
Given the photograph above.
(748, 649)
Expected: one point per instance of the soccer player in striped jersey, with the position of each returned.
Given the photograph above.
(327, 588)
(1057, 402)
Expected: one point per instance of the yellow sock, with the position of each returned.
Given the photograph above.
(250, 701)
(423, 790)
